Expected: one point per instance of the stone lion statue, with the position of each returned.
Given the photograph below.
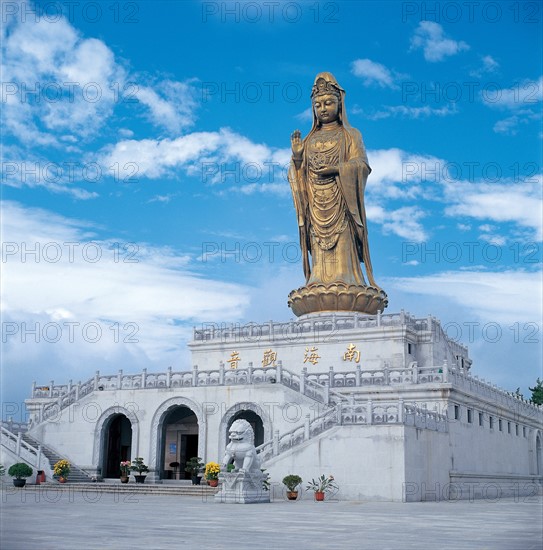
(241, 449)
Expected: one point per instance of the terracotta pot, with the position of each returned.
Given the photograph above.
(319, 495)
(213, 482)
(124, 479)
(62, 479)
(292, 495)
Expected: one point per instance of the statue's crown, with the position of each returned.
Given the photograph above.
(323, 87)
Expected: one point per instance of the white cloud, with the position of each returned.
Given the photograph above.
(172, 105)
(372, 72)
(519, 203)
(488, 65)
(158, 292)
(204, 154)
(430, 37)
(521, 96)
(413, 112)
(403, 222)
(505, 297)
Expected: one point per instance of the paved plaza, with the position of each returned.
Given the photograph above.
(52, 520)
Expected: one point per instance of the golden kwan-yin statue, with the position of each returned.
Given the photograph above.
(328, 176)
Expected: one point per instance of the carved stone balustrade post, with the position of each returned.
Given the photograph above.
(400, 411)
(276, 443)
(369, 413)
(250, 373)
(358, 375)
(120, 379)
(331, 377)
(221, 373)
(303, 379)
(307, 420)
(279, 371)
(143, 378)
(51, 384)
(96, 380)
(169, 377)
(195, 375)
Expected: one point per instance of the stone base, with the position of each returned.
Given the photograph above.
(242, 488)
(337, 297)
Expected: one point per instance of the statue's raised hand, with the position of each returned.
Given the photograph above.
(297, 144)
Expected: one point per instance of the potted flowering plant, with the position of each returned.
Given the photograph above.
(18, 472)
(139, 466)
(291, 482)
(61, 469)
(212, 473)
(321, 485)
(125, 471)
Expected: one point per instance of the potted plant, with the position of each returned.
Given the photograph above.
(125, 471)
(212, 473)
(2, 470)
(321, 485)
(18, 472)
(291, 482)
(61, 469)
(194, 466)
(139, 466)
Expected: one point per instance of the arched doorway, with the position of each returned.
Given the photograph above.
(117, 444)
(179, 442)
(253, 419)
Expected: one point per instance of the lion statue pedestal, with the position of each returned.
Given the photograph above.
(246, 484)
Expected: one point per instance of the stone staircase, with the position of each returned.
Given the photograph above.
(76, 474)
(132, 488)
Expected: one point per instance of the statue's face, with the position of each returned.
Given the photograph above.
(326, 108)
(237, 434)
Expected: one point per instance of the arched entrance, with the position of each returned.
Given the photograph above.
(253, 419)
(179, 442)
(117, 444)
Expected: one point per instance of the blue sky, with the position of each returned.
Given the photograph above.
(144, 154)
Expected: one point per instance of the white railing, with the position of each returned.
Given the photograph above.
(27, 453)
(324, 387)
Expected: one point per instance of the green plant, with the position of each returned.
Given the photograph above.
(139, 466)
(20, 470)
(212, 470)
(322, 484)
(125, 467)
(61, 468)
(265, 480)
(292, 481)
(230, 468)
(194, 465)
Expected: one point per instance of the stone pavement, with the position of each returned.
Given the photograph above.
(36, 518)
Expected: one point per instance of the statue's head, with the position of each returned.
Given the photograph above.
(327, 98)
(241, 430)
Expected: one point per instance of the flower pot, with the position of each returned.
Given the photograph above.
(62, 479)
(139, 479)
(19, 482)
(196, 480)
(124, 479)
(213, 482)
(292, 495)
(319, 495)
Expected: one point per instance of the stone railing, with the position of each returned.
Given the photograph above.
(14, 427)
(21, 449)
(462, 380)
(324, 387)
(366, 412)
(322, 327)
